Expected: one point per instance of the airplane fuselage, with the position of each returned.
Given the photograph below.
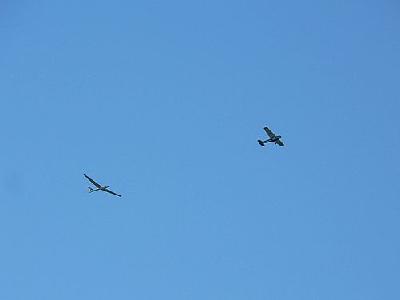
(103, 188)
(275, 139)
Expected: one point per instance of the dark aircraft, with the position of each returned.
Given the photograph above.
(272, 138)
(99, 187)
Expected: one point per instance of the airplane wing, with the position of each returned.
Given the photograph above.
(92, 181)
(111, 192)
(279, 142)
(269, 132)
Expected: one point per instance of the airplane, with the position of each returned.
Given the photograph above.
(99, 187)
(272, 138)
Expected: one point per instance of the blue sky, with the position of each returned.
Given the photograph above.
(164, 101)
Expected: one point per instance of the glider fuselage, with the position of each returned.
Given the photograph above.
(103, 188)
(275, 139)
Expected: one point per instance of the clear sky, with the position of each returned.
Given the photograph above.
(164, 101)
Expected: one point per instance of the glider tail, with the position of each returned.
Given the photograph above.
(90, 189)
(262, 143)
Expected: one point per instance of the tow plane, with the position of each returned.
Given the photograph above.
(99, 187)
(272, 138)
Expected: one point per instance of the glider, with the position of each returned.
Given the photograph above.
(272, 138)
(99, 187)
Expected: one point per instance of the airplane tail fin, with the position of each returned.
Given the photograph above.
(90, 189)
(262, 143)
